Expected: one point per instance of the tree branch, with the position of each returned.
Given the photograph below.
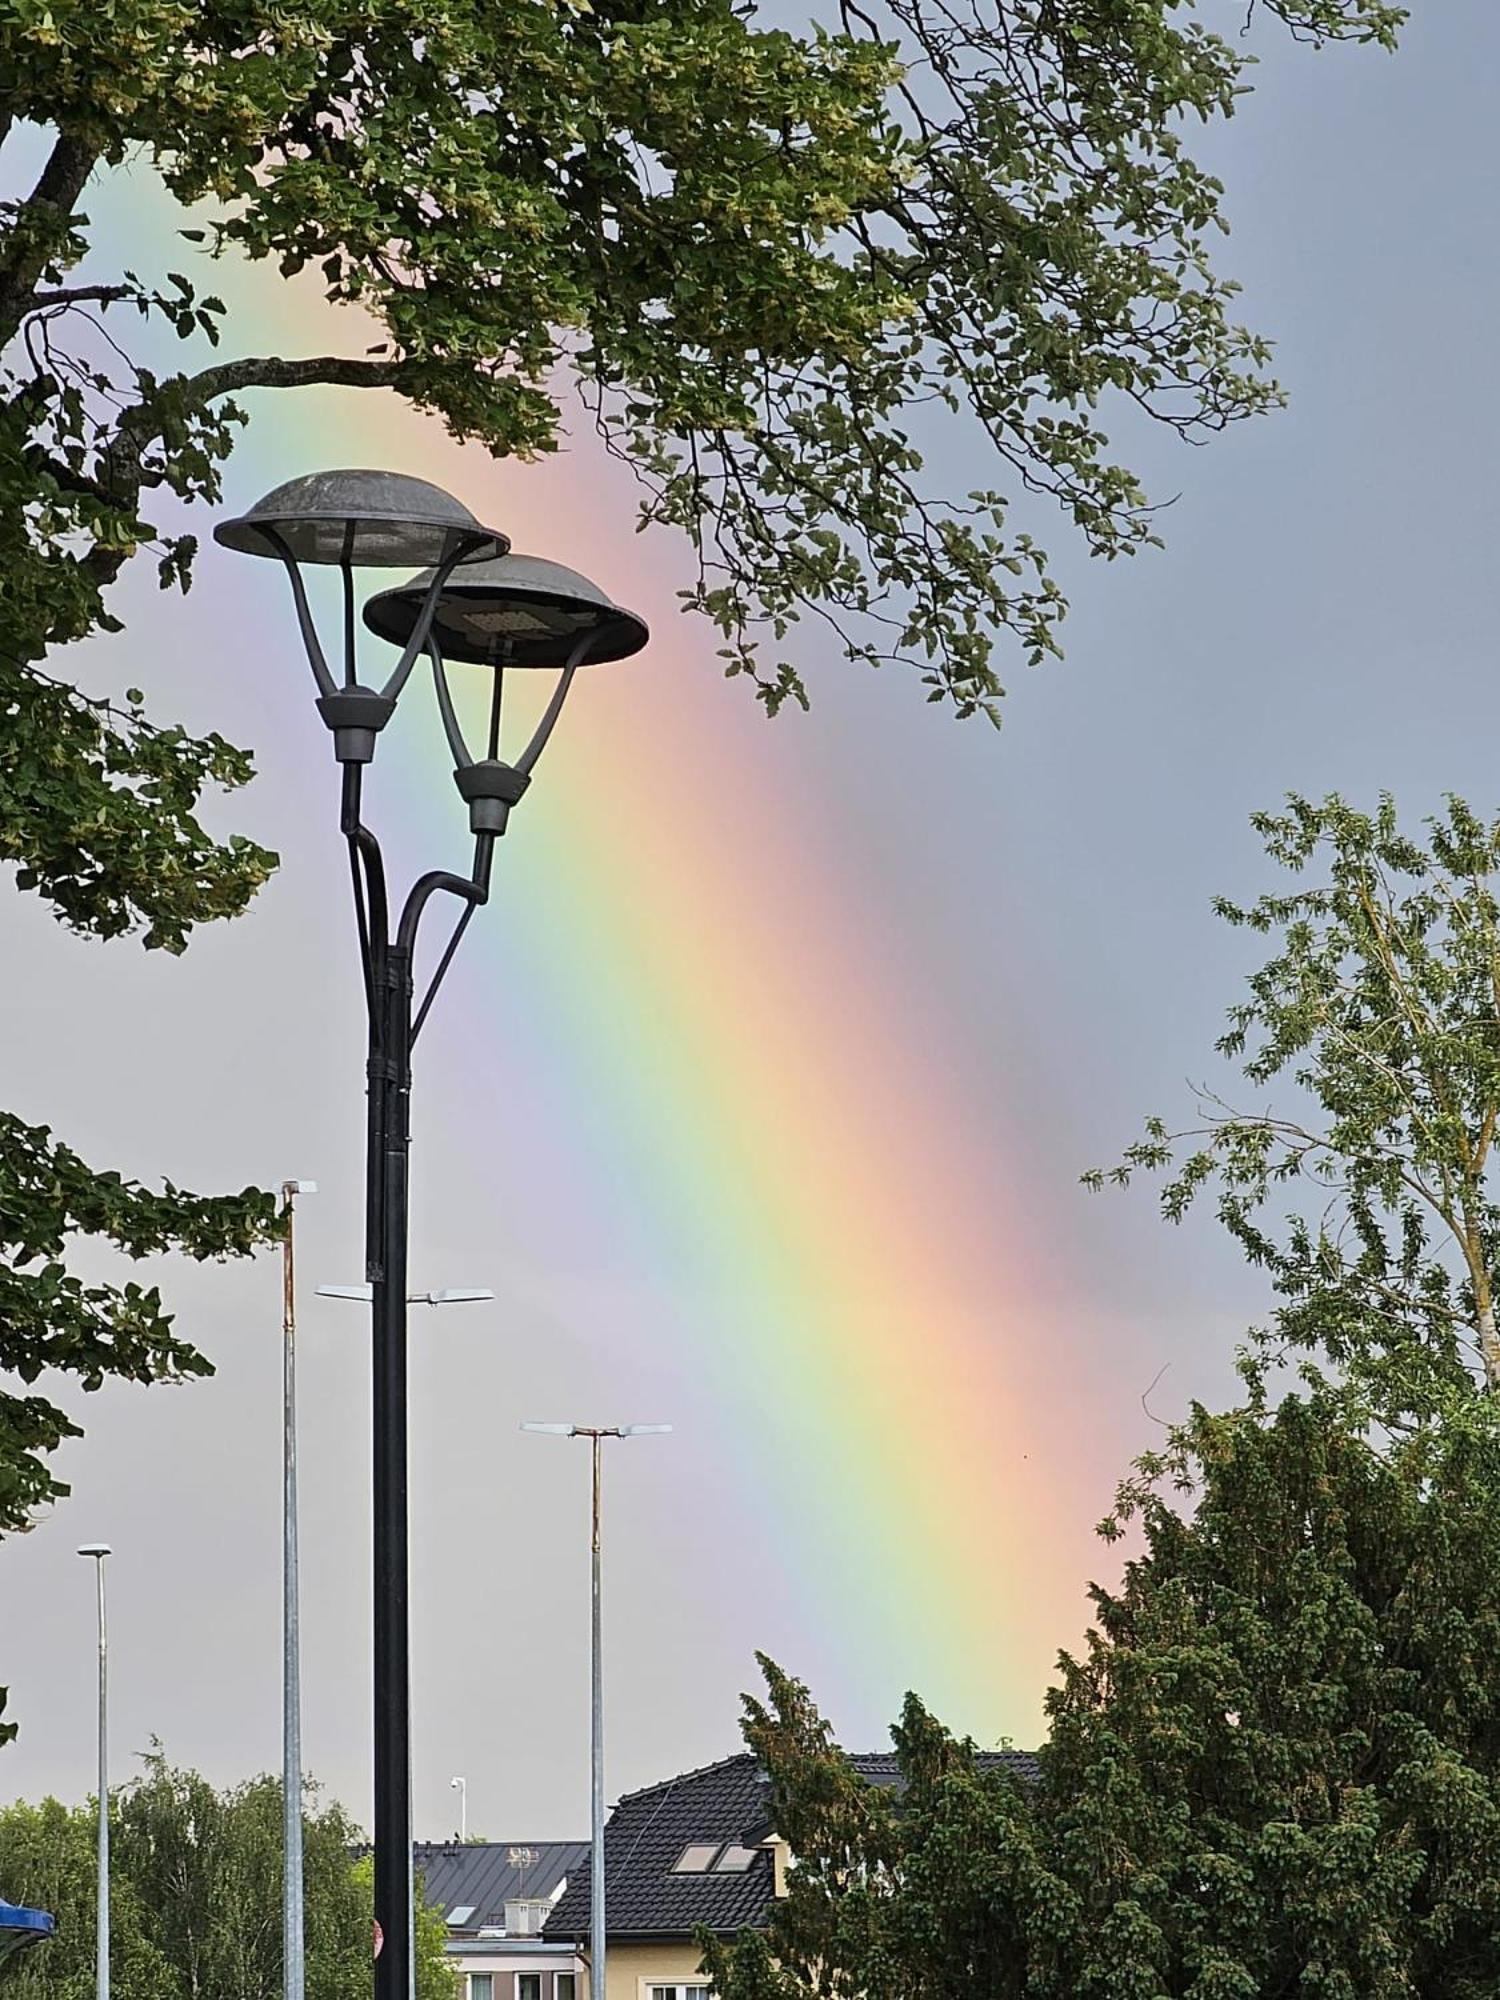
(40, 225)
(140, 427)
(72, 295)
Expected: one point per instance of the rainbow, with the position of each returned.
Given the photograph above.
(744, 1068)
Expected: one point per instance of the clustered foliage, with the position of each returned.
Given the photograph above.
(759, 255)
(195, 1895)
(1274, 1770)
(55, 1322)
(1365, 1185)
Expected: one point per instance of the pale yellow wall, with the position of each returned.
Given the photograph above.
(632, 1967)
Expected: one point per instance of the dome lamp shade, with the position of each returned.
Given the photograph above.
(367, 520)
(515, 611)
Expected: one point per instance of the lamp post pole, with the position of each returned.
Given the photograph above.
(452, 1295)
(292, 1943)
(98, 1551)
(596, 1434)
(479, 604)
(598, 1930)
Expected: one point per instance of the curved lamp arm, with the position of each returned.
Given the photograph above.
(461, 754)
(462, 546)
(317, 659)
(526, 762)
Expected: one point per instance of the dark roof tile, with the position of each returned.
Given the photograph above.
(717, 1805)
(489, 1874)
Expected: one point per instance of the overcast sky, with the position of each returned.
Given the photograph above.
(1323, 617)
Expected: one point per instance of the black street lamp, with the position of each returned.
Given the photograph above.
(479, 604)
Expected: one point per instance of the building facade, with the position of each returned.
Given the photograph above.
(495, 1898)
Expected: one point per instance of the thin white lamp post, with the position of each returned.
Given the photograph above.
(461, 1786)
(292, 1937)
(98, 1551)
(596, 1434)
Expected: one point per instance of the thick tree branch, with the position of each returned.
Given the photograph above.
(124, 458)
(72, 295)
(271, 371)
(40, 224)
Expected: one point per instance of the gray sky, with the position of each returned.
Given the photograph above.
(1322, 618)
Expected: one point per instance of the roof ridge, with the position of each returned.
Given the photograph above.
(702, 1770)
(475, 1846)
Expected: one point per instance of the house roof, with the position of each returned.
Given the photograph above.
(483, 1876)
(720, 1805)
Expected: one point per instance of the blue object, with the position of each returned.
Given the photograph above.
(20, 1927)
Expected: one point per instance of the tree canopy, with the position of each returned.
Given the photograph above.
(1275, 1768)
(1364, 1181)
(195, 1891)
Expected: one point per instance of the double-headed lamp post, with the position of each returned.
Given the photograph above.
(98, 1552)
(596, 1434)
(475, 603)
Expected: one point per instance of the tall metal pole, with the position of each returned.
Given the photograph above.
(390, 1098)
(101, 1976)
(597, 1988)
(596, 1434)
(98, 1551)
(292, 1949)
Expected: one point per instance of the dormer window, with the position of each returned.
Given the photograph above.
(696, 1858)
(734, 1860)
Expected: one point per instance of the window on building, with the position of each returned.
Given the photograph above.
(734, 1860)
(459, 1915)
(528, 1986)
(565, 1986)
(481, 1986)
(693, 1860)
(680, 1993)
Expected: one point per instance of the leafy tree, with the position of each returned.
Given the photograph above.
(769, 263)
(195, 1884)
(1274, 1770)
(49, 1859)
(1365, 1183)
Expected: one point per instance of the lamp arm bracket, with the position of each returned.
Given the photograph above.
(451, 729)
(316, 658)
(471, 892)
(526, 762)
(473, 889)
(367, 866)
(463, 546)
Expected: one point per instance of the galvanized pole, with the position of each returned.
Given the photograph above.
(292, 1950)
(97, 1551)
(597, 1989)
(102, 1968)
(596, 1434)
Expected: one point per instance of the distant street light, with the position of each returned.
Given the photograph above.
(292, 1942)
(476, 603)
(451, 1297)
(98, 1551)
(596, 1434)
(461, 1786)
